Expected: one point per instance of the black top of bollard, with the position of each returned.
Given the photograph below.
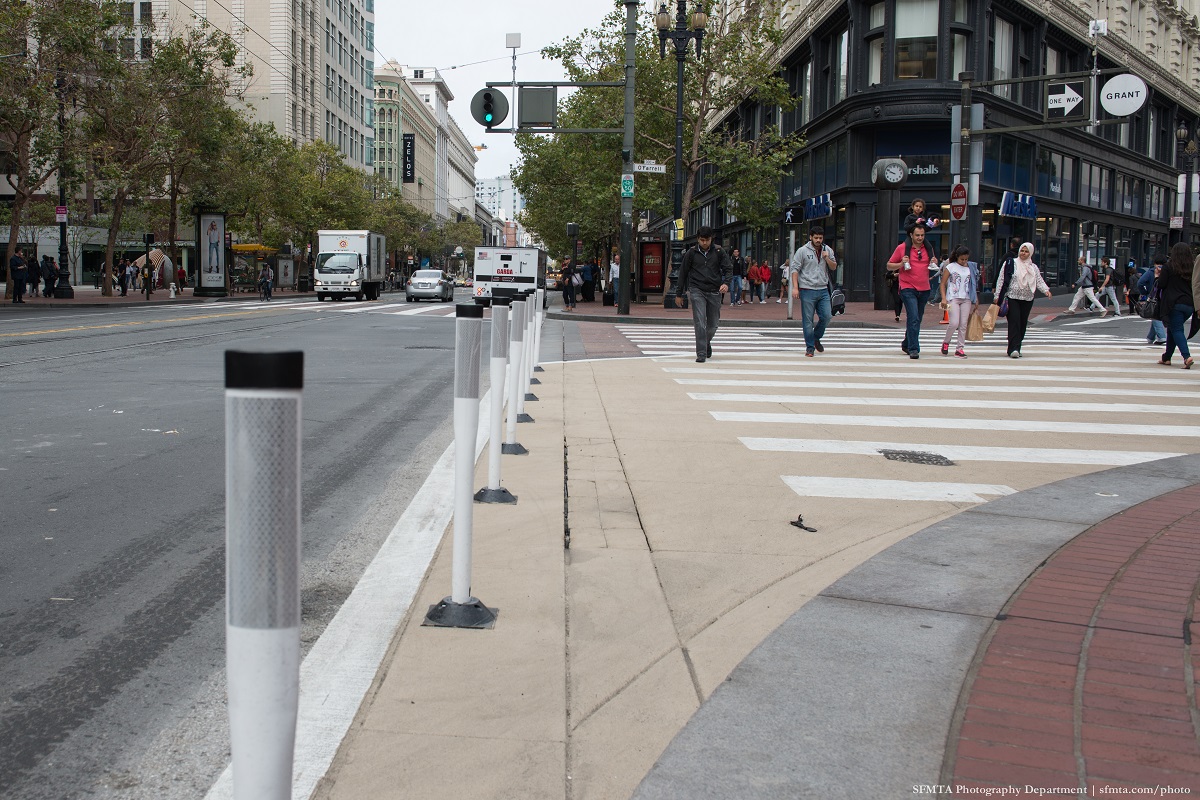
(279, 370)
(501, 301)
(468, 310)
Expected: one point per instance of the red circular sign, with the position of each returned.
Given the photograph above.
(958, 202)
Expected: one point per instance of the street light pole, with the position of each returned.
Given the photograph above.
(1189, 161)
(681, 37)
(62, 287)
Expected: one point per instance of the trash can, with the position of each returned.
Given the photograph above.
(303, 284)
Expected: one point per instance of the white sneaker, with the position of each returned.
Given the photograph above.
(778, 300)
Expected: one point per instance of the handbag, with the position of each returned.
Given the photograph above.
(1003, 310)
(577, 279)
(1149, 308)
(989, 318)
(975, 328)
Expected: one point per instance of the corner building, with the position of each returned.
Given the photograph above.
(878, 78)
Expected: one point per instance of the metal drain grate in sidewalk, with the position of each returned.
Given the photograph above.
(917, 457)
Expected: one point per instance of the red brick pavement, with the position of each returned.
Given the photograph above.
(1089, 680)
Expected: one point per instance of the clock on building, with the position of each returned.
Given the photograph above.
(889, 173)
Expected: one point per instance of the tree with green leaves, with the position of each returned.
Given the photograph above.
(50, 48)
(577, 176)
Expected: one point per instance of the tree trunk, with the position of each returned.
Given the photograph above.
(114, 225)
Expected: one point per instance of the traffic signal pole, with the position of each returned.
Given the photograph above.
(626, 273)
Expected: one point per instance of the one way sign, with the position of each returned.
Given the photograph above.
(1064, 100)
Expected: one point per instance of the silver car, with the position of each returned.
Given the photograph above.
(429, 284)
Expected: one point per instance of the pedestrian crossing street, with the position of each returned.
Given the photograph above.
(862, 422)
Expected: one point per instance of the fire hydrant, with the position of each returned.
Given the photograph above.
(172, 290)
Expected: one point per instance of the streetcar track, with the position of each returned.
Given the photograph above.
(276, 324)
(20, 338)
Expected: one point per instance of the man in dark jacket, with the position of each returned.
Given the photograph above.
(49, 276)
(704, 275)
(17, 275)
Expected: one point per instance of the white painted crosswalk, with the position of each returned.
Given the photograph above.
(859, 423)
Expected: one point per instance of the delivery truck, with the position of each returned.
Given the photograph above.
(350, 264)
(504, 271)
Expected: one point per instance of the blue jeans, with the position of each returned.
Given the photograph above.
(735, 289)
(1176, 335)
(914, 302)
(814, 301)
(1157, 332)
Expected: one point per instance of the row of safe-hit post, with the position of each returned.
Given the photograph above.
(262, 521)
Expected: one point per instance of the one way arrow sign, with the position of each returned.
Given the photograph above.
(1064, 101)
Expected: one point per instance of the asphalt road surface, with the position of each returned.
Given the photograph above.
(112, 539)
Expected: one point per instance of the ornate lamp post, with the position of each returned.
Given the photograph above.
(684, 31)
(62, 287)
(1189, 161)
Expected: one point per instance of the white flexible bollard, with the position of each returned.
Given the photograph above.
(262, 568)
(537, 332)
(531, 326)
(460, 609)
(522, 373)
(494, 492)
(515, 381)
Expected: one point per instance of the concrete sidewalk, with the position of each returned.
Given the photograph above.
(664, 633)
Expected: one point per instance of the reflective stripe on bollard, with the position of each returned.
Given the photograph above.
(262, 568)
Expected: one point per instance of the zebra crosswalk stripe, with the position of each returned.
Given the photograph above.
(1138, 391)
(876, 489)
(1030, 426)
(922, 402)
(1019, 455)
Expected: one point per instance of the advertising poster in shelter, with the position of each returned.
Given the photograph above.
(211, 249)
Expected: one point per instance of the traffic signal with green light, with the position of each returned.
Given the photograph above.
(489, 107)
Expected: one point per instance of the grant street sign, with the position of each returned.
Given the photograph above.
(1123, 95)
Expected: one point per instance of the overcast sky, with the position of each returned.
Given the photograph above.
(456, 33)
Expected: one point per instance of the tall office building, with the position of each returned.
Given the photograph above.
(399, 114)
(311, 61)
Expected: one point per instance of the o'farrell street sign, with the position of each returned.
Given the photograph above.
(661, 169)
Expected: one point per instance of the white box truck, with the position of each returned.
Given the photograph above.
(504, 271)
(350, 264)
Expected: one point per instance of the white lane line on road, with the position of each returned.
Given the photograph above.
(1138, 391)
(1136, 380)
(341, 666)
(1021, 455)
(946, 403)
(1028, 426)
(408, 312)
(876, 489)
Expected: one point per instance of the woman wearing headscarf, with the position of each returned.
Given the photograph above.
(1019, 281)
(1175, 305)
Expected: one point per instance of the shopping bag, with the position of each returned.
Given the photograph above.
(975, 328)
(989, 318)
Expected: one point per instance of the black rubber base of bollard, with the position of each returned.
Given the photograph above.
(471, 614)
(538, 369)
(530, 397)
(501, 495)
(524, 418)
(534, 382)
(514, 449)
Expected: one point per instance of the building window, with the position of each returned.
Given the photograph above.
(960, 55)
(147, 49)
(1002, 57)
(147, 14)
(418, 74)
(875, 41)
(916, 39)
(1054, 61)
